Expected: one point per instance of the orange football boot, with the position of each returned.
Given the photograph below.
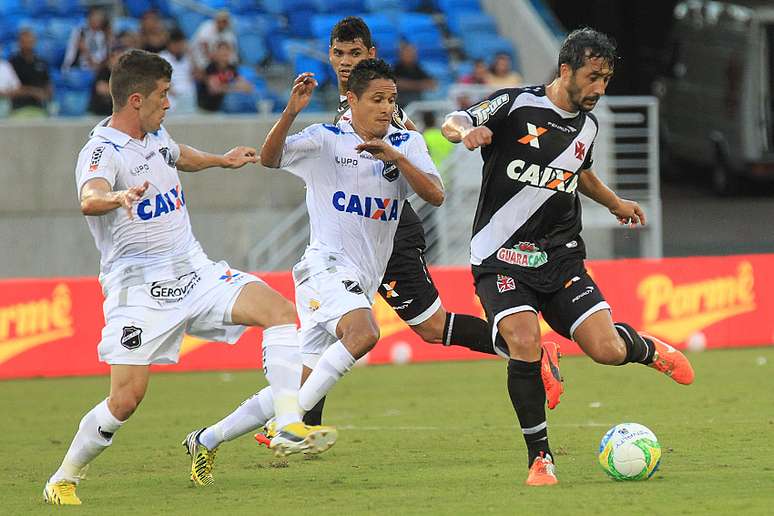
(541, 473)
(671, 362)
(549, 371)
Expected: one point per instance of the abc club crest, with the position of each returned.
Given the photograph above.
(132, 337)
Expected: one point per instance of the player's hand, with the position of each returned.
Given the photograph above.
(239, 157)
(379, 149)
(301, 93)
(629, 212)
(127, 198)
(477, 137)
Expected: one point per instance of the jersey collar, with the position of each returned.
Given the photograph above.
(346, 127)
(112, 135)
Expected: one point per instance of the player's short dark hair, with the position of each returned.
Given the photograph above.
(586, 43)
(350, 29)
(366, 71)
(136, 71)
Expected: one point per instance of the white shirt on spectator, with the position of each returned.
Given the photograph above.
(182, 93)
(96, 43)
(9, 81)
(206, 39)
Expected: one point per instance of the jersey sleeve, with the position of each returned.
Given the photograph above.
(492, 110)
(399, 117)
(97, 160)
(589, 161)
(300, 148)
(174, 148)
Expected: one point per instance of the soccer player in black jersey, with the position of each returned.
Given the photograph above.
(526, 250)
(407, 285)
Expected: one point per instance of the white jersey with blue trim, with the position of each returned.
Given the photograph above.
(157, 243)
(354, 200)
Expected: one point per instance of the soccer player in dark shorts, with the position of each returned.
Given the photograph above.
(407, 285)
(526, 251)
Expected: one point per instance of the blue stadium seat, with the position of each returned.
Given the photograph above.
(136, 8)
(123, 23)
(238, 102)
(485, 46)
(252, 49)
(216, 4)
(288, 7)
(461, 23)
(300, 23)
(11, 7)
(428, 45)
(346, 7)
(74, 79)
(60, 28)
(384, 5)
(458, 6)
(322, 24)
(72, 102)
(52, 51)
(416, 22)
(40, 8)
(320, 69)
(255, 23)
(189, 21)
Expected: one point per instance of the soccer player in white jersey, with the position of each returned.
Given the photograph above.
(157, 280)
(357, 176)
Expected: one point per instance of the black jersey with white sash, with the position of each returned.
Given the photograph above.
(528, 219)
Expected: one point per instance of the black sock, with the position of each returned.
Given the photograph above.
(528, 396)
(638, 349)
(468, 331)
(314, 416)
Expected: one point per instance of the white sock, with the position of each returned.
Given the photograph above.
(333, 363)
(282, 365)
(250, 415)
(95, 433)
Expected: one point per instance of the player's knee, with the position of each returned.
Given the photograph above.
(430, 331)
(520, 341)
(362, 341)
(123, 404)
(282, 312)
(607, 350)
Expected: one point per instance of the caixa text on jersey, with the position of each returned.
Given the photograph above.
(542, 177)
(375, 208)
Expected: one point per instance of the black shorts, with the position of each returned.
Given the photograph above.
(564, 310)
(407, 286)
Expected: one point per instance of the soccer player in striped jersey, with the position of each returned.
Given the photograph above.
(526, 250)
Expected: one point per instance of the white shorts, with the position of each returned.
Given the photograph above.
(145, 324)
(321, 301)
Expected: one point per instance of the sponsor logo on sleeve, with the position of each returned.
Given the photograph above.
(352, 286)
(398, 138)
(96, 156)
(482, 111)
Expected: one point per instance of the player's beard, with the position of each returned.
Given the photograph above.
(574, 94)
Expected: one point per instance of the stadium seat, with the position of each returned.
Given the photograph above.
(238, 102)
(11, 7)
(321, 25)
(384, 5)
(255, 23)
(461, 23)
(300, 24)
(60, 28)
(74, 79)
(252, 49)
(123, 23)
(72, 102)
(458, 6)
(189, 21)
(52, 51)
(40, 8)
(341, 6)
(319, 68)
(484, 46)
(136, 8)
(216, 4)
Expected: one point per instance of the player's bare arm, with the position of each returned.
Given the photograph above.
(428, 187)
(459, 128)
(626, 211)
(194, 160)
(98, 198)
(300, 95)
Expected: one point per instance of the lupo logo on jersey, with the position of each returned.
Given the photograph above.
(371, 207)
(162, 204)
(526, 254)
(542, 177)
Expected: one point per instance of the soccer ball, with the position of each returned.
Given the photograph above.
(629, 451)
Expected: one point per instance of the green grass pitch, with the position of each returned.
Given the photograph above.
(415, 439)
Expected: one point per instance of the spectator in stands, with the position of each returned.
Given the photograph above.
(36, 89)
(128, 39)
(209, 34)
(221, 77)
(182, 92)
(437, 144)
(89, 43)
(413, 81)
(479, 74)
(9, 85)
(100, 102)
(153, 33)
(501, 73)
